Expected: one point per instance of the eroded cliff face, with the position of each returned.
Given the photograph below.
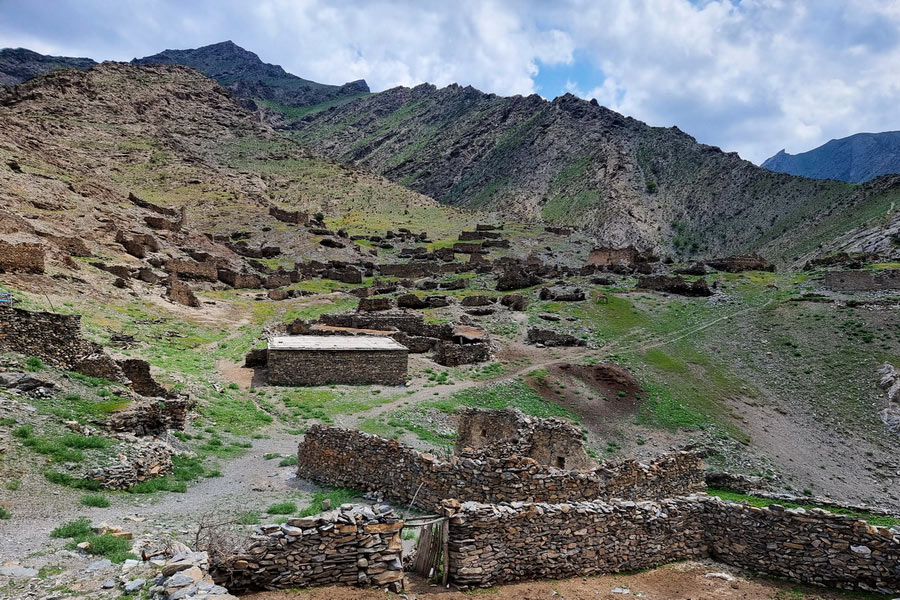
(568, 161)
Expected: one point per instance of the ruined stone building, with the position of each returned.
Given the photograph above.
(302, 360)
(503, 433)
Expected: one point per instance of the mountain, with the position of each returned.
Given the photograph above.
(18, 65)
(242, 72)
(572, 162)
(856, 158)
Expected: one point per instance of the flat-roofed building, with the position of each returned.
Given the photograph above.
(305, 360)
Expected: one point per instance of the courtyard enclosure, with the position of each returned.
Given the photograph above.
(323, 360)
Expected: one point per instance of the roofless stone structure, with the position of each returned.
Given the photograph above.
(322, 360)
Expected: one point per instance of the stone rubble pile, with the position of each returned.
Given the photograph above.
(186, 576)
(139, 460)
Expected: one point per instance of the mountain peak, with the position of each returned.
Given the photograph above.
(855, 158)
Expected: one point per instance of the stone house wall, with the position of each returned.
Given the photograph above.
(501, 433)
(355, 545)
(191, 269)
(413, 269)
(492, 544)
(24, 258)
(287, 216)
(52, 337)
(449, 354)
(325, 367)
(366, 462)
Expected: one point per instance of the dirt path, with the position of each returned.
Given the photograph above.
(682, 581)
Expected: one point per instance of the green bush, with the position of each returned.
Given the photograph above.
(95, 500)
(282, 508)
(5, 514)
(288, 461)
(80, 527)
(73, 482)
(76, 440)
(33, 364)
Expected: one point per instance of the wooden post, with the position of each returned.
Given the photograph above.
(445, 536)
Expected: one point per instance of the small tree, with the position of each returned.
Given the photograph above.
(319, 216)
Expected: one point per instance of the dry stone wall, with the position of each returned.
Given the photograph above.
(24, 258)
(863, 280)
(492, 544)
(355, 545)
(325, 367)
(366, 462)
(138, 461)
(53, 337)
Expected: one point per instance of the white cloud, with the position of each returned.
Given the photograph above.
(751, 75)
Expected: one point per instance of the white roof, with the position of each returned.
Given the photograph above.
(333, 342)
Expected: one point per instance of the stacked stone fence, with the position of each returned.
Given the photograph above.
(491, 544)
(355, 545)
(863, 280)
(366, 462)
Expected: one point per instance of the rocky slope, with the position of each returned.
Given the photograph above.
(569, 161)
(856, 158)
(242, 72)
(18, 65)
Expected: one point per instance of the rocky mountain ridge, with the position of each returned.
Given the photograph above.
(856, 158)
(20, 64)
(573, 162)
(246, 76)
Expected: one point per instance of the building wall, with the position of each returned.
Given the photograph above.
(324, 367)
(863, 280)
(53, 337)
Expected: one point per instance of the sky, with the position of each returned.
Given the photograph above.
(751, 76)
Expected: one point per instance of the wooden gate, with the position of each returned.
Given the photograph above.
(432, 558)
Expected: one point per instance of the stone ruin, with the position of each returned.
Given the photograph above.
(890, 383)
(21, 258)
(863, 280)
(738, 263)
(58, 341)
(617, 259)
(506, 433)
(675, 285)
(551, 338)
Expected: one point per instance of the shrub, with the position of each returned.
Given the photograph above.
(33, 364)
(5, 514)
(282, 508)
(69, 481)
(319, 216)
(288, 461)
(95, 500)
(76, 440)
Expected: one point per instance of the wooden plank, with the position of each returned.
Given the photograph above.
(445, 547)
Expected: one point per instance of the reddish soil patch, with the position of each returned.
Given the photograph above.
(603, 395)
(680, 581)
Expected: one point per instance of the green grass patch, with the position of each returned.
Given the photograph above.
(288, 461)
(506, 394)
(871, 519)
(282, 508)
(80, 527)
(5, 514)
(337, 496)
(95, 501)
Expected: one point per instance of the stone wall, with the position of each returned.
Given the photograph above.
(54, 338)
(492, 544)
(151, 417)
(191, 269)
(502, 433)
(355, 545)
(326, 367)
(21, 258)
(287, 216)
(139, 461)
(366, 462)
(863, 280)
(449, 354)
(549, 337)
